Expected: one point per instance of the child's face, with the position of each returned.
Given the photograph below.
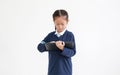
(60, 23)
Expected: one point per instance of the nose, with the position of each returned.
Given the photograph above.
(60, 26)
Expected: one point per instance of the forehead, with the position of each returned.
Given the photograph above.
(61, 18)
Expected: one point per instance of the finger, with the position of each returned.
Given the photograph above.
(57, 44)
(63, 43)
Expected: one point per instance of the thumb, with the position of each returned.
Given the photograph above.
(63, 43)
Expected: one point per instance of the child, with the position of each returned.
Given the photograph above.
(59, 60)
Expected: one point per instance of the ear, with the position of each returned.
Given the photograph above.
(55, 28)
(67, 21)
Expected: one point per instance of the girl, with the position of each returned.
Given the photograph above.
(59, 60)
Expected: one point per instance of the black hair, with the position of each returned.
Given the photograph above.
(60, 12)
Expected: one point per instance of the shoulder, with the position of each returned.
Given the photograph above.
(51, 33)
(47, 38)
(69, 33)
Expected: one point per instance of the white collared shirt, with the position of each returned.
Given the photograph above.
(61, 33)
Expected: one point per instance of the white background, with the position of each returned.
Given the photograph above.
(95, 24)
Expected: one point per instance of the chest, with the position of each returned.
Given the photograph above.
(64, 37)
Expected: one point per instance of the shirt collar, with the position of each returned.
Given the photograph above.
(61, 33)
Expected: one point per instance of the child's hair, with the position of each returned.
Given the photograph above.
(59, 13)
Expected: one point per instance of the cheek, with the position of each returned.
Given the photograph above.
(65, 25)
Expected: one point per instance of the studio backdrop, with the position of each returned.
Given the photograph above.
(25, 23)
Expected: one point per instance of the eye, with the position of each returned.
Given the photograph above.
(58, 24)
(62, 23)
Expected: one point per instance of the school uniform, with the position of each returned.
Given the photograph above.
(60, 62)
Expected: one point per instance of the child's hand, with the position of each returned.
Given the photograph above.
(60, 44)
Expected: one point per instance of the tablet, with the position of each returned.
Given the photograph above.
(52, 45)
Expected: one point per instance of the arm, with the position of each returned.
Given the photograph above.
(41, 45)
(67, 52)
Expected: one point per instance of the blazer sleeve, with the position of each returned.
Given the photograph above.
(41, 45)
(67, 52)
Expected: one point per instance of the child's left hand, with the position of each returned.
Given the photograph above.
(60, 44)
